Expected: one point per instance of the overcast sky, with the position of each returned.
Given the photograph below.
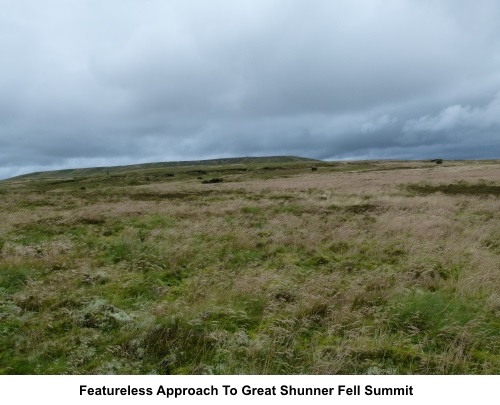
(106, 82)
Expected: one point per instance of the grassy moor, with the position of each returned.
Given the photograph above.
(273, 265)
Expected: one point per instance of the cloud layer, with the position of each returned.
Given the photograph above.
(88, 82)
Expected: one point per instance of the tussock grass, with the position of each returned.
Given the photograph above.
(459, 188)
(358, 267)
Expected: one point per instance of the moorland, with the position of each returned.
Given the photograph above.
(252, 266)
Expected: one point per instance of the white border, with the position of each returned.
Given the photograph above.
(54, 390)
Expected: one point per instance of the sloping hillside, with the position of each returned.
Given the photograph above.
(145, 167)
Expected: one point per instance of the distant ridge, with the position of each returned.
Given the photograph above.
(90, 171)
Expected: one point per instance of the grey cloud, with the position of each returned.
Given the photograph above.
(458, 116)
(124, 81)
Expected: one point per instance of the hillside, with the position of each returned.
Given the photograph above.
(380, 267)
(152, 167)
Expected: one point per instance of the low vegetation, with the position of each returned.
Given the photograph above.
(275, 268)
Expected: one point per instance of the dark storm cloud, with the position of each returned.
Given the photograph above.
(87, 82)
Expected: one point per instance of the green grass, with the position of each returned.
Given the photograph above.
(277, 270)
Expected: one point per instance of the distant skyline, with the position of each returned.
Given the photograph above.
(88, 83)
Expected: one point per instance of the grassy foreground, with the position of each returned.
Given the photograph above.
(362, 267)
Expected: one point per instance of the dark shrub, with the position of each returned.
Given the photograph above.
(214, 180)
